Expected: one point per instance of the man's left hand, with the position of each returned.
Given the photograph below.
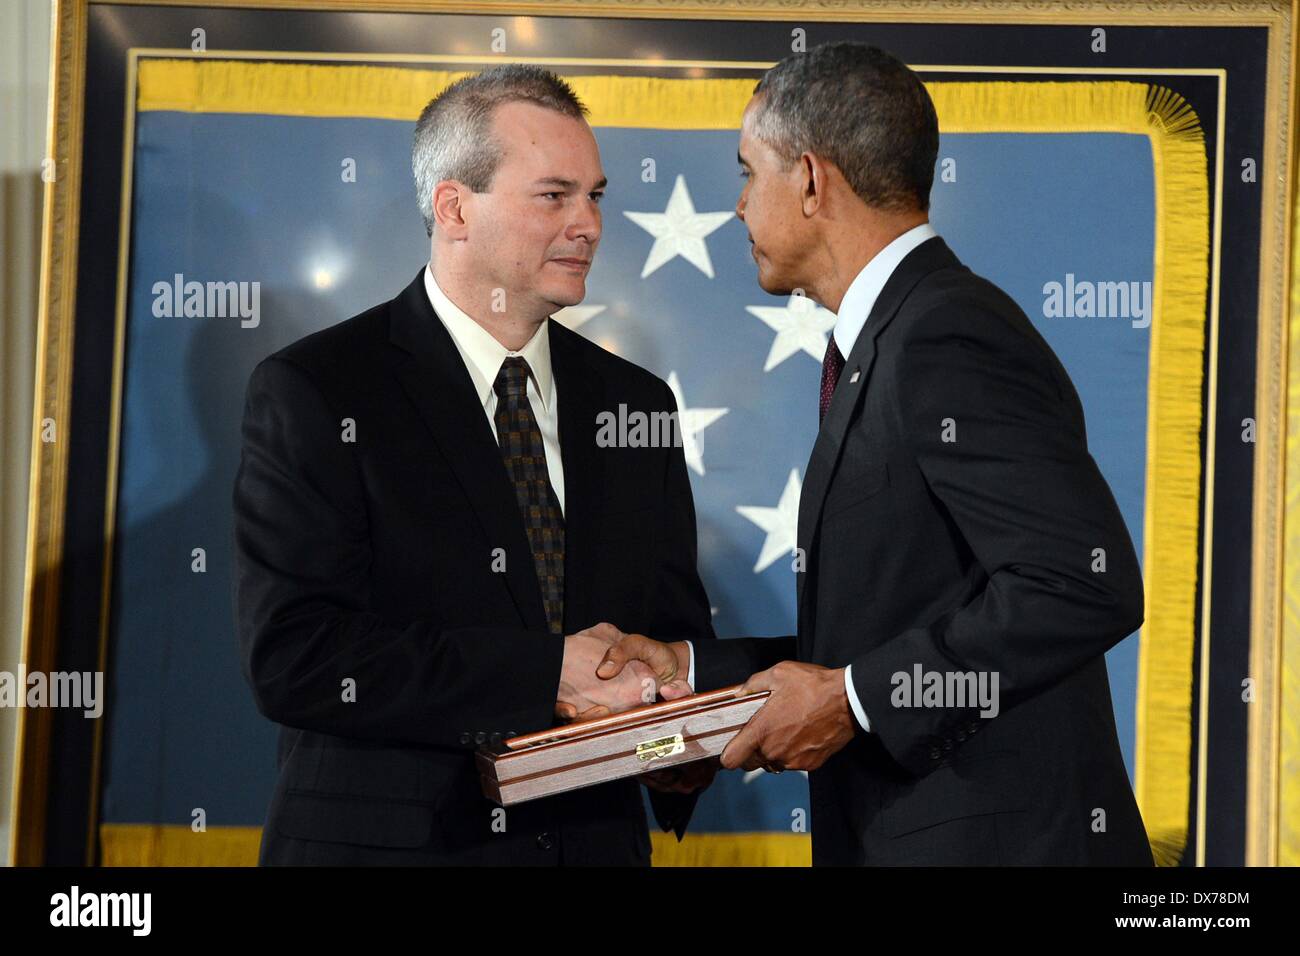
(802, 723)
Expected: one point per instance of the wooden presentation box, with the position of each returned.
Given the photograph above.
(636, 741)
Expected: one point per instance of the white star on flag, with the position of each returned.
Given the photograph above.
(679, 231)
(690, 423)
(575, 316)
(800, 324)
(781, 523)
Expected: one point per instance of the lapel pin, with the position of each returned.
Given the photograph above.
(855, 376)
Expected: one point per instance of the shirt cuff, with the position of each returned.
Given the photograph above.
(854, 703)
(690, 673)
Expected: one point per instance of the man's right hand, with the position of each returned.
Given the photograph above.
(670, 663)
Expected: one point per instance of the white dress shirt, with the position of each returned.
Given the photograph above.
(483, 355)
(855, 309)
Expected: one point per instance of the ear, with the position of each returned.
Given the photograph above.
(814, 182)
(449, 209)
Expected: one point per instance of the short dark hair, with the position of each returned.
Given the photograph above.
(453, 137)
(862, 109)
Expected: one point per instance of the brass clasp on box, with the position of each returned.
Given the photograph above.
(658, 749)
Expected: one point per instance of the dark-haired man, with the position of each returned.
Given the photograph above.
(950, 518)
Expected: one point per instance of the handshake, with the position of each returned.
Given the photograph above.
(606, 671)
(804, 721)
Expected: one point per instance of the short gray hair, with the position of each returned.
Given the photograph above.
(860, 108)
(453, 137)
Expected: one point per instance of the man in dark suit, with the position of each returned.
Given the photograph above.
(426, 523)
(965, 567)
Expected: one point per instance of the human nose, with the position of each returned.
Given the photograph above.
(587, 223)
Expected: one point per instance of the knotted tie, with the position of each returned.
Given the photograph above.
(525, 459)
(832, 365)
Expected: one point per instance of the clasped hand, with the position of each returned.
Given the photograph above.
(606, 671)
(805, 720)
(583, 694)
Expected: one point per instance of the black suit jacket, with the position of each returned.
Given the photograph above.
(950, 518)
(375, 623)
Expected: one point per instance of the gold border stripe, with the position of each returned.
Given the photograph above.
(731, 849)
(378, 92)
(146, 844)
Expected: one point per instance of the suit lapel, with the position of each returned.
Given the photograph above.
(581, 397)
(433, 374)
(927, 257)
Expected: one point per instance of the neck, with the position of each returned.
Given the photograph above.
(512, 328)
(847, 248)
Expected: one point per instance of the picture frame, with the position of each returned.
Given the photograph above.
(1238, 656)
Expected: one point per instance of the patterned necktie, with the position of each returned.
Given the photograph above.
(832, 365)
(525, 458)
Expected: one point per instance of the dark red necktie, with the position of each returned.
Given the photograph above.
(832, 365)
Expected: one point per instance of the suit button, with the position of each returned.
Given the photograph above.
(544, 841)
(974, 726)
(961, 736)
(934, 753)
(465, 738)
(495, 739)
(480, 737)
(947, 745)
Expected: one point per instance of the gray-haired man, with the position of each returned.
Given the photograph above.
(407, 596)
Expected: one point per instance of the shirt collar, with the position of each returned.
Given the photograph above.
(482, 353)
(860, 297)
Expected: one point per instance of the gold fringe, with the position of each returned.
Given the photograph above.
(1172, 521)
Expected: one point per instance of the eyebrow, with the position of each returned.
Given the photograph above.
(567, 183)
